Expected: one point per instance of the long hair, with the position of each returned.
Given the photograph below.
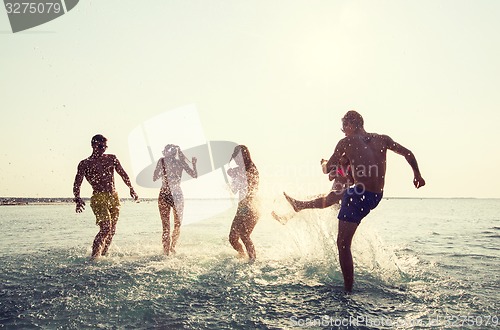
(250, 168)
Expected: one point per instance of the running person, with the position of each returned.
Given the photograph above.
(245, 182)
(99, 169)
(170, 168)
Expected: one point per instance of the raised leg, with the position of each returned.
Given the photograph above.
(318, 203)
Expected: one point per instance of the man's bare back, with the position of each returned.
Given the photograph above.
(367, 153)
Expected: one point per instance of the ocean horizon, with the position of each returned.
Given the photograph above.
(28, 200)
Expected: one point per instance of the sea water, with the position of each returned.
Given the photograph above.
(419, 264)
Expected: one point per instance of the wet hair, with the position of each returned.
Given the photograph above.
(247, 159)
(354, 118)
(97, 138)
(250, 168)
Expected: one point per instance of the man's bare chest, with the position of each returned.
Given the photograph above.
(99, 167)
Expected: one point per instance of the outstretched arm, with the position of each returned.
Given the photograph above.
(119, 169)
(418, 181)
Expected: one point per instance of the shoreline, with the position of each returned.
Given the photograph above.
(13, 201)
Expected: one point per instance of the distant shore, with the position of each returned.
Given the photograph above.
(6, 201)
(26, 201)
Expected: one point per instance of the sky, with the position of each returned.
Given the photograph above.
(276, 76)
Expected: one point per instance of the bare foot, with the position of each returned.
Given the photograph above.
(292, 202)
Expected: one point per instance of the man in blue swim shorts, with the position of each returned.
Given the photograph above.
(357, 203)
(367, 155)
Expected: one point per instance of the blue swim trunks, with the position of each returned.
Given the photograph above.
(357, 203)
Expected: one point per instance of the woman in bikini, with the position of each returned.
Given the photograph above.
(245, 182)
(170, 168)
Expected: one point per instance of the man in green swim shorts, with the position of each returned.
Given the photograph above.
(99, 169)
